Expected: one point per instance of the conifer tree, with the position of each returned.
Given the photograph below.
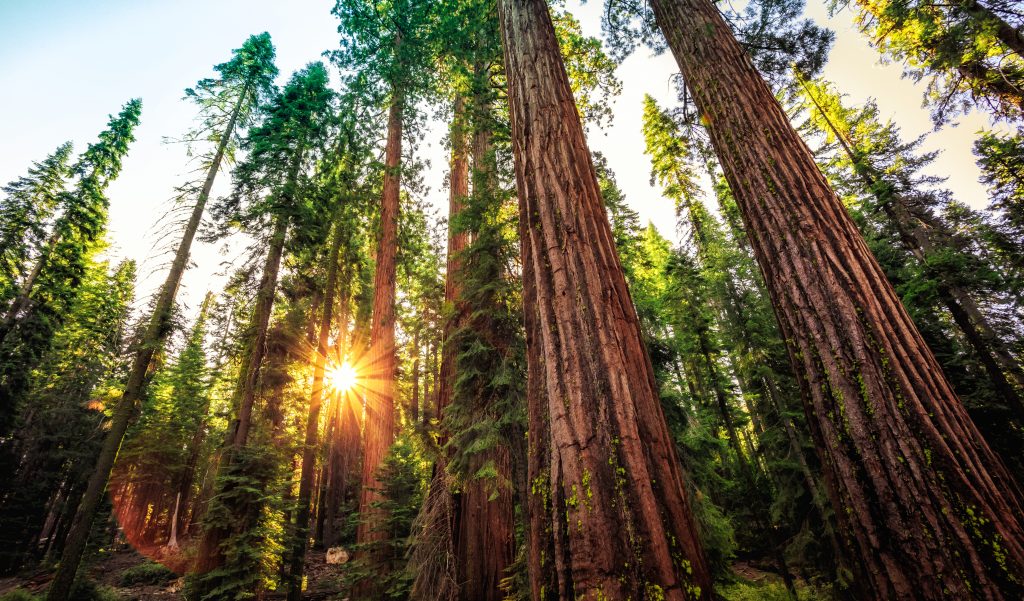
(55, 444)
(24, 215)
(39, 308)
(1001, 159)
(268, 199)
(244, 82)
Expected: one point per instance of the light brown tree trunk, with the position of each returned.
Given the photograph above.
(929, 508)
(301, 534)
(156, 332)
(380, 405)
(615, 497)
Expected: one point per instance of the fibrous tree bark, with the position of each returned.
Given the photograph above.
(611, 502)
(380, 401)
(929, 509)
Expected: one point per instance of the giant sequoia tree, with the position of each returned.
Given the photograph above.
(387, 43)
(606, 490)
(927, 507)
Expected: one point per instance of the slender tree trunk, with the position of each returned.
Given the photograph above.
(156, 332)
(23, 300)
(619, 517)
(246, 394)
(210, 555)
(380, 408)
(929, 508)
(301, 534)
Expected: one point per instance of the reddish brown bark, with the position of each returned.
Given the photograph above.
(929, 509)
(457, 242)
(380, 400)
(614, 492)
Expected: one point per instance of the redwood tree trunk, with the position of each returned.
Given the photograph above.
(380, 405)
(930, 510)
(613, 493)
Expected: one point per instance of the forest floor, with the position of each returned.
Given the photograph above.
(111, 570)
(114, 571)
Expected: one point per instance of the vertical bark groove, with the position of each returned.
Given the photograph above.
(929, 509)
(613, 497)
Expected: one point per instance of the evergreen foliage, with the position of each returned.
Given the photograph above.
(241, 427)
(40, 308)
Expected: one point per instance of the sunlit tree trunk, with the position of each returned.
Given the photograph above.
(613, 494)
(929, 508)
(301, 534)
(380, 402)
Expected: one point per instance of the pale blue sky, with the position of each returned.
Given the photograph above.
(66, 65)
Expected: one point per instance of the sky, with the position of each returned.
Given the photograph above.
(67, 65)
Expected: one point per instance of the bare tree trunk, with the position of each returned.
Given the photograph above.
(929, 508)
(619, 517)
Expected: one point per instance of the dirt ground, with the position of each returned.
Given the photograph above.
(322, 579)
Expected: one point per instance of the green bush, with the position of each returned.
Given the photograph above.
(87, 590)
(147, 573)
(19, 594)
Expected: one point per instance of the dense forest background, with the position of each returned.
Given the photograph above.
(800, 378)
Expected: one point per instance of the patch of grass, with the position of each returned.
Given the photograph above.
(19, 594)
(147, 573)
(767, 591)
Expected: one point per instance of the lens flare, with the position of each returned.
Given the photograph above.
(342, 377)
